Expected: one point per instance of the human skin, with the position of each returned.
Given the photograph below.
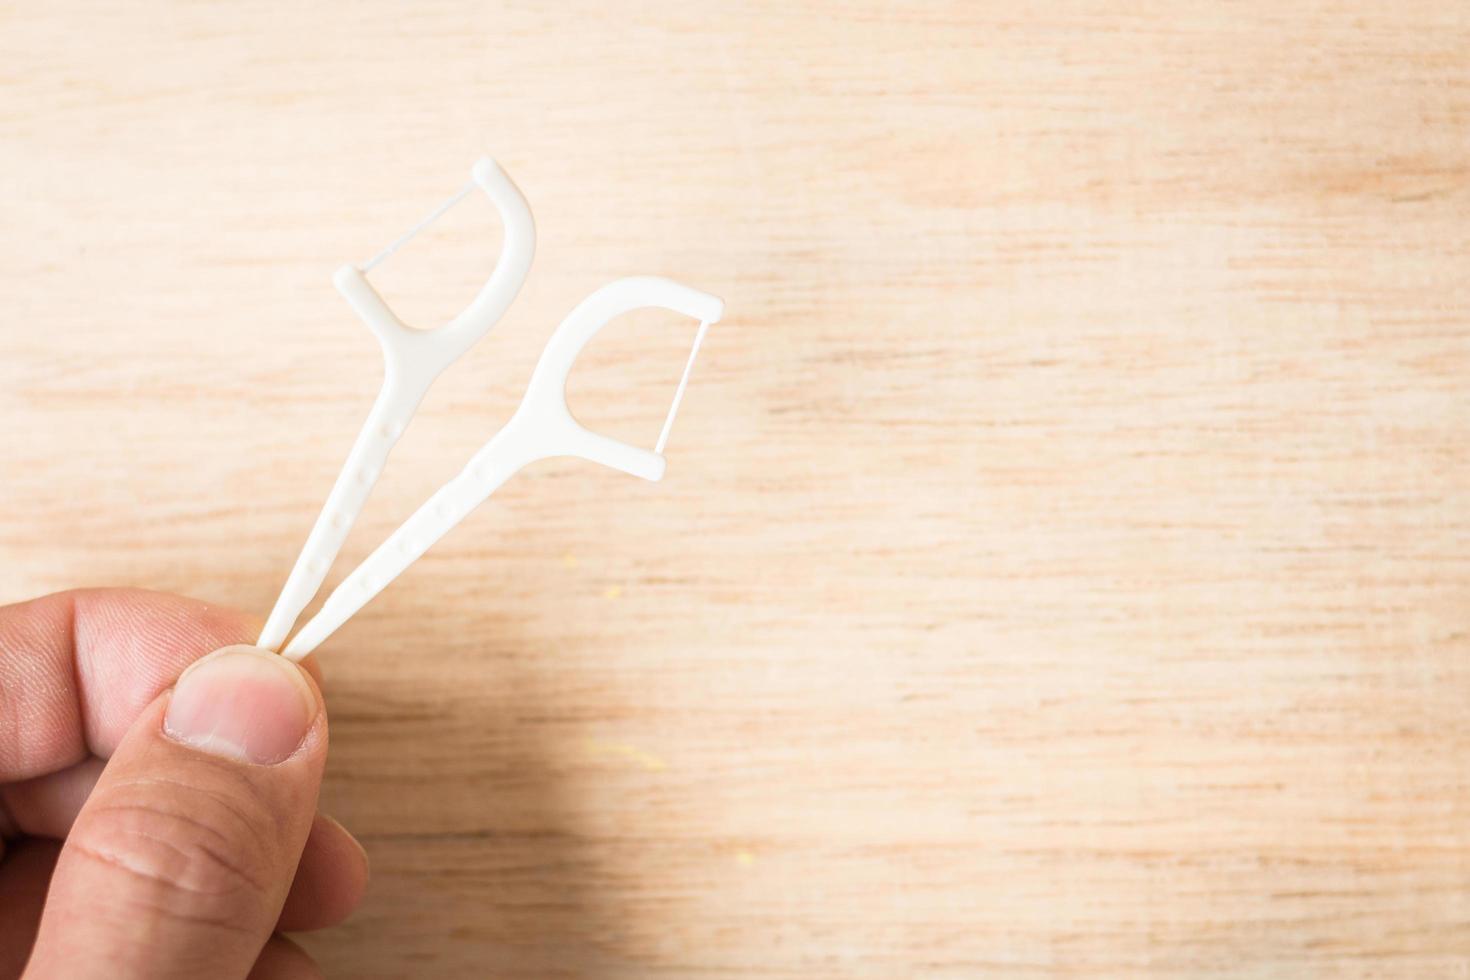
(158, 794)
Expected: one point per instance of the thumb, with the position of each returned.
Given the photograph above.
(180, 860)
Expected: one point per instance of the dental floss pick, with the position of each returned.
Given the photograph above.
(542, 426)
(412, 360)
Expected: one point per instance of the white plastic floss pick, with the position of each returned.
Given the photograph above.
(412, 360)
(542, 427)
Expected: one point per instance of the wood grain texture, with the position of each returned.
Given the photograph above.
(1063, 565)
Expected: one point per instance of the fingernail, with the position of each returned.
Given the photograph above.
(242, 703)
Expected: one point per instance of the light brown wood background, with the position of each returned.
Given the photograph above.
(1064, 563)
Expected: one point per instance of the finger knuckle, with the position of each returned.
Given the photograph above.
(192, 853)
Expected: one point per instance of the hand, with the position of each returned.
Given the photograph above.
(199, 840)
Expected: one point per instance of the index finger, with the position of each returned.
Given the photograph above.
(77, 667)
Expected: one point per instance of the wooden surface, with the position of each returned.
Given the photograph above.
(1064, 562)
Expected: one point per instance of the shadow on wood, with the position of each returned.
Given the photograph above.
(477, 864)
